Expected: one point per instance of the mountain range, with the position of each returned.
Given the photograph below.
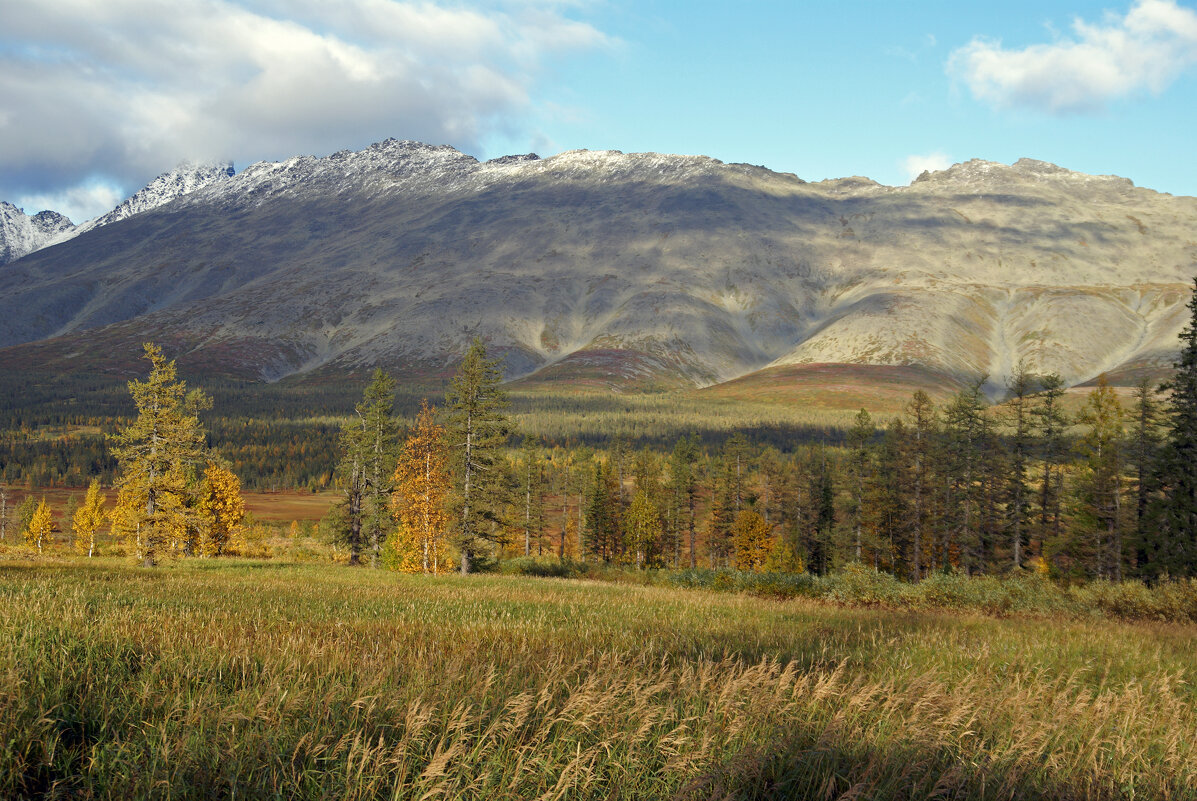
(609, 269)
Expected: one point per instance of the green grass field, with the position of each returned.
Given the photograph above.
(274, 680)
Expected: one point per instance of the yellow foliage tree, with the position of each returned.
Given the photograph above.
(750, 540)
(88, 519)
(642, 528)
(221, 509)
(421, 496)
(41, 526)
(157, 454)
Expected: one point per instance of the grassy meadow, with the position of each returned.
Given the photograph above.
(242, 679)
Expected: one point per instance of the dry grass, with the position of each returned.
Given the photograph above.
(282, 681)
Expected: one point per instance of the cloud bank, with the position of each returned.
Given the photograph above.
(1143, 51)
(127, 88)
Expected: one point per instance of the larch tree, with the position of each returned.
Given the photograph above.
(642, 527)
(477, 429)
(88, 518)
(41, 526)
(157, 456)
(530, 472)
(221, 509)
(421, 493)
(1175, 548)
(751, 540)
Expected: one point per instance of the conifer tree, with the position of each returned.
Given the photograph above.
(379, 441)
(858, 475)
(1018, 498)
(751, 540)
(531, 491)
(821, 516)
(967, 437)
(722, 511)
(1050, 427)
(603, 535)
(1097, 547)
(887, 496)
(422, 492)
(1175, 548)
(1142, 452)
(157, 455)
(735, 453)
(221, 509)
(88, 518)
(683, 486)
(477, 428)
(920, 413)
(642, 527)
(41, 526)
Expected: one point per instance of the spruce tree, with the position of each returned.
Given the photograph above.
(1050, 426)
(1018, 496)
(1096, 543)
(379, 441)
(1175, 547)
(1142, 452)
(923, 432)
(683, 486)
(477, 427)
(859, 470)
(966, 440)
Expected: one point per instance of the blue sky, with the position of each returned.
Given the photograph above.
(97, 98)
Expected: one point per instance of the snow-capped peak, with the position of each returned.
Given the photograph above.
(21, 234)
(183, 180)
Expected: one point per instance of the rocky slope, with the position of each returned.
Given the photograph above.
(637, 268)
(21, 234)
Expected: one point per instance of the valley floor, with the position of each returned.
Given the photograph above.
(276, 680)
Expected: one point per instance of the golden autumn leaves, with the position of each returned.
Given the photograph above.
(420, 543)
(162, 510)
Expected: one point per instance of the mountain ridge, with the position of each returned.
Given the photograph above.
(664, 268)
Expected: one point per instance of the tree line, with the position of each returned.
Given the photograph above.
(962, 485)
(1108, 492)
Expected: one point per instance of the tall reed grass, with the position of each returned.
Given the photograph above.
(265, 680)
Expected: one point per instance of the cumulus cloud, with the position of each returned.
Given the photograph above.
(128, 88)
(914, 166)
(1143, 51)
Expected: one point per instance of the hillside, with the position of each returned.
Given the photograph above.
(629, 270)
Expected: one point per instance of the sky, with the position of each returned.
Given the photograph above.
(99, 96)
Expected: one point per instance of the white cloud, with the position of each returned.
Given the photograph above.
(1143, 51)
(128, 88)
(79, 203)
(914, 166)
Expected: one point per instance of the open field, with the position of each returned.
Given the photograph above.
(285, 681)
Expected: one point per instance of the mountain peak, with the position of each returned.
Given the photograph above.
(21, 234)
(982, 175)
(182, 180)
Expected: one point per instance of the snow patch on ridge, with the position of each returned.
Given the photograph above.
(21, 234)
